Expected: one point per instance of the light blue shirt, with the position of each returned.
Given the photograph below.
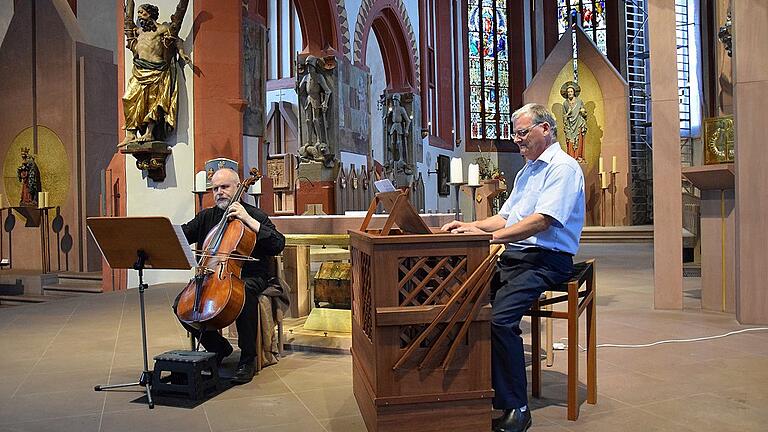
(551, 185)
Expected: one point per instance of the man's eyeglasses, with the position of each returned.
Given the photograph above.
(522, 133)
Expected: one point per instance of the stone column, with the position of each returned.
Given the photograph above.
(750, 72)
(667, 196)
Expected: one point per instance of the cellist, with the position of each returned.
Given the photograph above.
(269, 242)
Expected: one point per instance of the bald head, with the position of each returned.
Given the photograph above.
(226, 173)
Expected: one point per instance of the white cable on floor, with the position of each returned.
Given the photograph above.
(675, 340)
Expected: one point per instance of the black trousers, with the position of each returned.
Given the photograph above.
(519, 280)
(246, 323)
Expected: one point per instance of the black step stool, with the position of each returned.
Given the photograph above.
(192, 373)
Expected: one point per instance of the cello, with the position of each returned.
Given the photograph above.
(215, 296)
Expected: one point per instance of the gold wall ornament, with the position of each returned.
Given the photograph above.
(51, 159)
(718, 140)
(150, 157)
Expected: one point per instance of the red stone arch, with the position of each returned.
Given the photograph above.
(389, 21)
(324, 26)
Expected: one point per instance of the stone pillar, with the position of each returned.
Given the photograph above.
(750, 72)
(667, 196)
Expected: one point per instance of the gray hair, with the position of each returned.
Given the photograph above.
(539, 114)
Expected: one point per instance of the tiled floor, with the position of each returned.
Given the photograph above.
(51, 356)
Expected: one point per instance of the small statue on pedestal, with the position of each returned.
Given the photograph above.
(29, 176)
(574, 120)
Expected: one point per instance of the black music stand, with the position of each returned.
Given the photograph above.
(138, 243)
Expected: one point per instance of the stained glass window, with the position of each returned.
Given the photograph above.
(591, 14)
(488, 69)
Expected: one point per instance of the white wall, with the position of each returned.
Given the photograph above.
(173, 197)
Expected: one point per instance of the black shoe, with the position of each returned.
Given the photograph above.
(513, 420)
(220, 356)
(244, 373)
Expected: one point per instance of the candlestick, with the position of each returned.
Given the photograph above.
(613, 195)
(473, 189)
(199, 195)
(457, 172)
(458, 188)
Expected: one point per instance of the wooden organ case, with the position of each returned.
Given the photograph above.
(420, 324)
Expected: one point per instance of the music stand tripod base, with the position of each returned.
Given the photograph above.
(145, 380)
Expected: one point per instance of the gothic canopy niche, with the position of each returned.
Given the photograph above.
(611, 96)
(324, 26)
(389, 20)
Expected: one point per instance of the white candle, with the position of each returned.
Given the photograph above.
(473, 174)
(2, 205)
(604, 180)
(200, 179)
(255, 188)
(600, 165)
(47, 204)
(40, 199)
(457, 171)
(613, 165)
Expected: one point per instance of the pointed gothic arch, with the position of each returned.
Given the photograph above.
(389, 20)
(324, 26)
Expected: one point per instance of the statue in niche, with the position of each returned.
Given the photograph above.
(398, 125)
(29, 176)
(150, 101)
(574, 120)
(315, 88)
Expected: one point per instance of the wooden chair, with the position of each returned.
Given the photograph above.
(578, 300)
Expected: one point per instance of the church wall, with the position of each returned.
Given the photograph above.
(51, 105)
(171, 198)
(96, 19)
(16, 115)
(378, 83)
(96, 138)
(6, 13)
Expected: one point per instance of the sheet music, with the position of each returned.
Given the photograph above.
(185, 245)
(384, 185)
